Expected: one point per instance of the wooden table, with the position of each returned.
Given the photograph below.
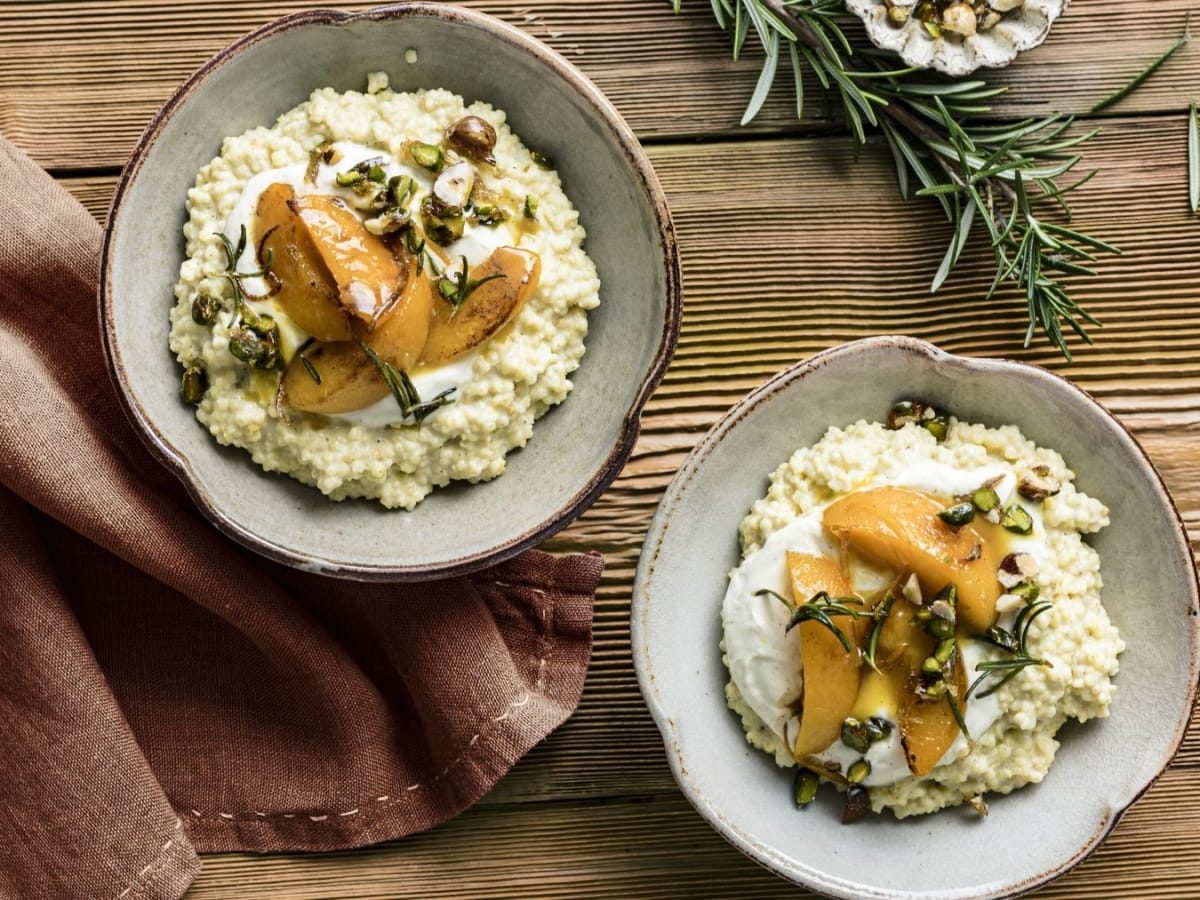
(789, 246)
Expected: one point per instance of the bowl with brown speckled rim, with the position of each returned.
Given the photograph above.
(1030, 836)
(577, 449)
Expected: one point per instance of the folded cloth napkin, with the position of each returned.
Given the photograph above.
(163, 691)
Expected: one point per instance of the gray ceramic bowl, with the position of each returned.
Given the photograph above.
(1032, 835)
(576, 450)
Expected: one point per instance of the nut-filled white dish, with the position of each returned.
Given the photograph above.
(853, 542)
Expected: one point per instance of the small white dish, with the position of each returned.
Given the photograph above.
(1030, 836)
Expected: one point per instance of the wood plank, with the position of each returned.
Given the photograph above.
(658, 848)
(750, 312)
(80, 80)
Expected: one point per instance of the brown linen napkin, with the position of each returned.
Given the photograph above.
(163, 691)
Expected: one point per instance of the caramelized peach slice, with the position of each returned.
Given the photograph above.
(831, 675)
(306, 292)
(928, 727)
(900, 528)
(367, 274)
(349, 379)
(487, 309)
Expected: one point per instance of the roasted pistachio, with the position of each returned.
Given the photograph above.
(531, 206)
(441, 227)
(945, 650)
(882, 726)
(1017, 520)
(938, 426)
(804, 789)
(349, 178)
(1038, 484)
(474, 138)
(205, 308)
(1027, 591)
(985, 499)
(488, 214)
(856, 735)
(930, 666)
(256, 342)
(427, 156)
(958, 515)
(400, 189)
(858, 804)
(904, 413)
(940, 628)
(858, 772)
(193, 385)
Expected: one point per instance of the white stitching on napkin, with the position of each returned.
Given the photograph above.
(152, 867)
(539, 685)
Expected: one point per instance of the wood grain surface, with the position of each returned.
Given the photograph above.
(789, 246)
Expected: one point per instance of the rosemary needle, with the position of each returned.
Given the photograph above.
(1139, 79)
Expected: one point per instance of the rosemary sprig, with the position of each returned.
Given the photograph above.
(983, 176)
(821, 608)
(1015, 643)
(880, 614)
(457, 287)
(957, 712)
(1137, 80)
(403, 390)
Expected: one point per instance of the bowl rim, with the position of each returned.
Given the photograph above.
(652, 547)
(175, 461)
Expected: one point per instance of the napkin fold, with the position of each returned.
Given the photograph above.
(162, 690)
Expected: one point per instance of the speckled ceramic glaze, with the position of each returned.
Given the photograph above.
(1032, 835)
(576, 450)
(1019, 30)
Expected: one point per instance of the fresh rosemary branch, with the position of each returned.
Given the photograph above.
(1015, 643)
(990, 176)
(403, 391)
(820, 609)
(1141, 77)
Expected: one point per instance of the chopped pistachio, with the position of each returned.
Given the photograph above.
(414, 241)
(531, 206)
(205, 308)
(349, 178)
(978, 804)
(1017, 520)
(905, 412)
(940, 628)
(193, 385)
(376, 173)
(938, 426)
(958, 515)
(856, 735)
(427, 156)
(541, 160)
(400, 189)
(930, 666)
(858, 772)
(985, 499)
(1027, 591)
(805, 787)
(488, 214)
(945, 649)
